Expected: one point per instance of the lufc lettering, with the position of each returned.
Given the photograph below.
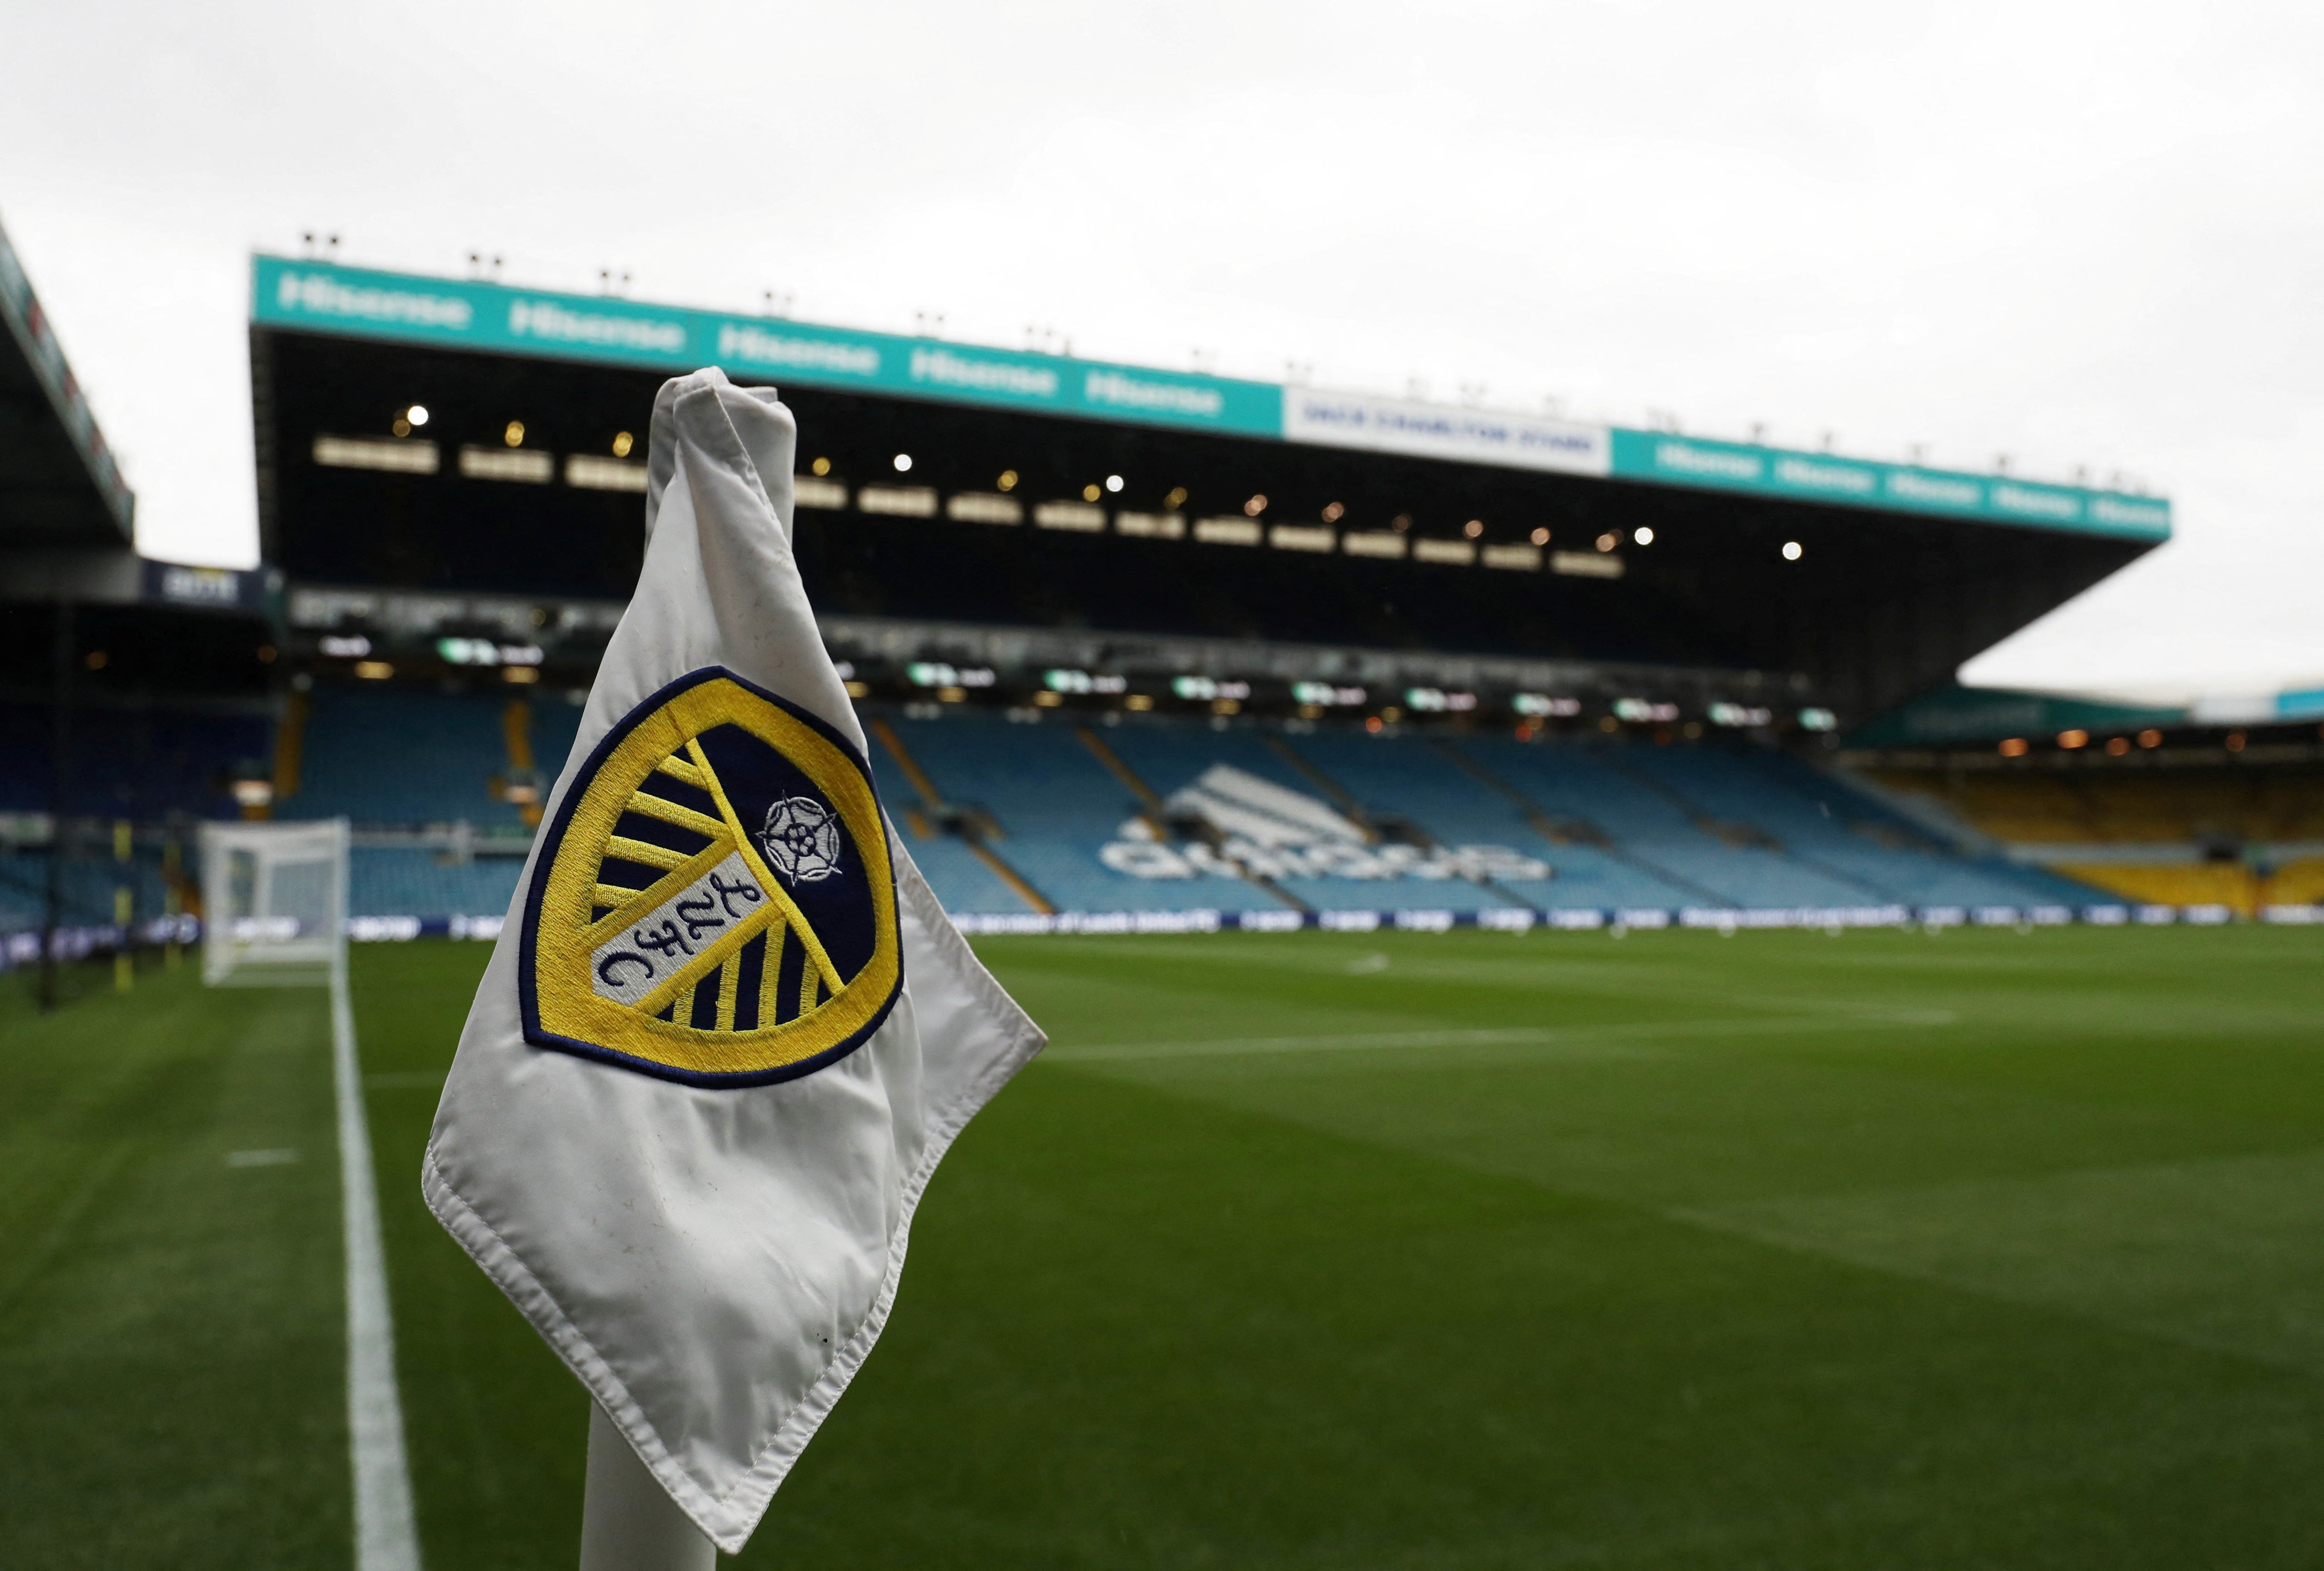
(626, 968)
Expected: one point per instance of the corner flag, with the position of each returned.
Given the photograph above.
(727, 1032)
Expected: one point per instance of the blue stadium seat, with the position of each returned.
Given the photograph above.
(1619, 825)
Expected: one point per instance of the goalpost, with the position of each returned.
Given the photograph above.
(274, 904)
(275, 915)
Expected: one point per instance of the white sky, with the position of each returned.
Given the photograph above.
(2075, 234)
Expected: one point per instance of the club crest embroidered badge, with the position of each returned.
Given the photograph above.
(713, 901)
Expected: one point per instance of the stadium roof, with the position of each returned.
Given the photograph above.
(58, 484)
(504, 320)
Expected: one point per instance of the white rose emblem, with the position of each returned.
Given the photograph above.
(802, 840)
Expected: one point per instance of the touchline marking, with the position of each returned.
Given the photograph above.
(386, 1539)
(1510, 1036)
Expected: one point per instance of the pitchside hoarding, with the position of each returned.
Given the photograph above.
(496, 318)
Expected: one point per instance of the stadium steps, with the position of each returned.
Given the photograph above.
(1378, 825)
(970, 828)
(1340, 797)
(2230, 884)
(524, 778)
(1931, 863)
(1157, 814)
(290, 747)
(1740, 834)
(1557, 831)
(1563, 830)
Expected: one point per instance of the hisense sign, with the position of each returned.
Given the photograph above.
(471, 314)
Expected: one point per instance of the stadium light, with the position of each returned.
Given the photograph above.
(1791, 551)
(903, 463)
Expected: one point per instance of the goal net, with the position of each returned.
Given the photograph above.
(275, 904)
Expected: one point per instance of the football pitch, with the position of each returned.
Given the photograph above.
(1309, 1250)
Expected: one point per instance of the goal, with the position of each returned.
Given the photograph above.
(275, 904)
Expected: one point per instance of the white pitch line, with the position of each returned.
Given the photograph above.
(1585, 1037)
(386, 1538)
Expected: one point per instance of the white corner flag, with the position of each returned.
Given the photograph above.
(727, 1032)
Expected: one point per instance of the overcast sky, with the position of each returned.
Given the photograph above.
(2078, 235)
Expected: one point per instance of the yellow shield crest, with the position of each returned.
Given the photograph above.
(714, 902)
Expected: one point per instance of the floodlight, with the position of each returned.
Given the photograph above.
(1643, 535)
(1791, 552)
(1113, 483)
(417, 414)
(903, 463)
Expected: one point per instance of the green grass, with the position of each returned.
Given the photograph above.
(1311, 1250)
(172, 1352)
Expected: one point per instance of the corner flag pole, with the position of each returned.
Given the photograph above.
(628, 1521)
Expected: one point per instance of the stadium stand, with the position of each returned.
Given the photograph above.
(88, 889)
(143, 762)
(1617, 825)
(2056, 808)
(1031, 812)
(398, 761)
(2208, 830)
(401, 757)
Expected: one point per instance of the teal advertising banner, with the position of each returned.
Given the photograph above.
(1813, 477)
(494, 317)
(326, 297)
